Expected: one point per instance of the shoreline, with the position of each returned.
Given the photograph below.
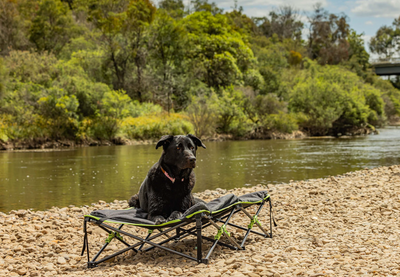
(37, 145)
(344, 225)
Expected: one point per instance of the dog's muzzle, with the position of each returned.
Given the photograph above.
(192, 162)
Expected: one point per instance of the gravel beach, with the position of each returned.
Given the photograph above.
(345, 225)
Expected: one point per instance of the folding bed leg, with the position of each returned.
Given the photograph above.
(199, 240)
(254, 219)
(222, 231)
(111, 236)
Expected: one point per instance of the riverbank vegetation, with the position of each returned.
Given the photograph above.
(126, 69)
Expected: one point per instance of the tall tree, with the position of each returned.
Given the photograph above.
(12, 28)
(166, 52)
(241, 22)
(327, 41)
(174, 8)
(123, 23)
(219, 55)
(284, 22)
(204, 6)
(52, 26)
(386, 42)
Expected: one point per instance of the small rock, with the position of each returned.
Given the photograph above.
(61, 260)
(230, 261)
(178, 270)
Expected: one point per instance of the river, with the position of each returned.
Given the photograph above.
(81, 176)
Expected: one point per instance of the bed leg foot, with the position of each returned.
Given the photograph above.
(204, 261)
(91, 265)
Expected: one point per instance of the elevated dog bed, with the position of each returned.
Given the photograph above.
(202, 214)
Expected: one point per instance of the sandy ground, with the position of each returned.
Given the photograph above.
(345, 225)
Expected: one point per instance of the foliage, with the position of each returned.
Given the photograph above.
(386, 42)
(122, 69)
(155, 126)
(327, 41)
(203, 113)
(114, 107)
(284, 22)
(332, 97)
(52, 27)
(122, 24)
(59, 110)
(174, 8)
(218, 54)
(12, 28)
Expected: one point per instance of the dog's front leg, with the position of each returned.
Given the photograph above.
(156, 212)
(175, 215)
(158, 219)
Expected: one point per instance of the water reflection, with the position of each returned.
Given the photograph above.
(40, 180)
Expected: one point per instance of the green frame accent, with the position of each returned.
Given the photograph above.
(220, 231)
(112, 235)
(177, 220)
(253, 220)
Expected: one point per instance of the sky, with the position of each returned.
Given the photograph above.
(366, 16)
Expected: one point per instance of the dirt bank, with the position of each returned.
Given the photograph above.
(48, 144)
(345, 225)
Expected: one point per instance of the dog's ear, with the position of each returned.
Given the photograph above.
(164, 141)
(196, 141)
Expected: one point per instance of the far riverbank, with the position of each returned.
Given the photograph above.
(50, 144)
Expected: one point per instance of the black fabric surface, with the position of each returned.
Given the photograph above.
(138, 216)
(254, 196)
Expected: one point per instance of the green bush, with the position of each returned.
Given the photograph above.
(155, 126)
(203, 114)
(113, 108)
(333, 99)
(59, 110)
(281, 122)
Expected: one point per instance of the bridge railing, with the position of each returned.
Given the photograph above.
(385, 60)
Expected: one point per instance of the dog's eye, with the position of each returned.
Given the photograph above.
(178, 148)
(191, 147)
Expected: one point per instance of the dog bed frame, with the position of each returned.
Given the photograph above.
(202, 214)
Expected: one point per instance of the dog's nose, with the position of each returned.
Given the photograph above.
(192, 159)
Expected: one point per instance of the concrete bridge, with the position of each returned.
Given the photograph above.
(386, 67)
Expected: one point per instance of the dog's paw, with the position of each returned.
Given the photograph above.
(175, 215)
(159, 220)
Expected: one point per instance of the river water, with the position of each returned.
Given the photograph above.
(81, 176)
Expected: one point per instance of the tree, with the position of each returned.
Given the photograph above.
(3, 77)
(12, 28)
(284, 22)
(52, 27)
(386, 42)
(166, 52)
(59, 110)
(327, 40)
(219, 55)
(241, 22)
(123, 23)
(357, 49)
(174, 8)
(204, 6)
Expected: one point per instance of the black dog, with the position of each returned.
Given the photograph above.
(166, 190)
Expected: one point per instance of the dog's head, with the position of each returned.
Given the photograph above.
(180, 151)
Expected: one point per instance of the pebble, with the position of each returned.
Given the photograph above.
(343, 225)
(61, 260)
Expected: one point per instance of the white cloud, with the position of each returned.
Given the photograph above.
(377, 8)
(369, 22)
